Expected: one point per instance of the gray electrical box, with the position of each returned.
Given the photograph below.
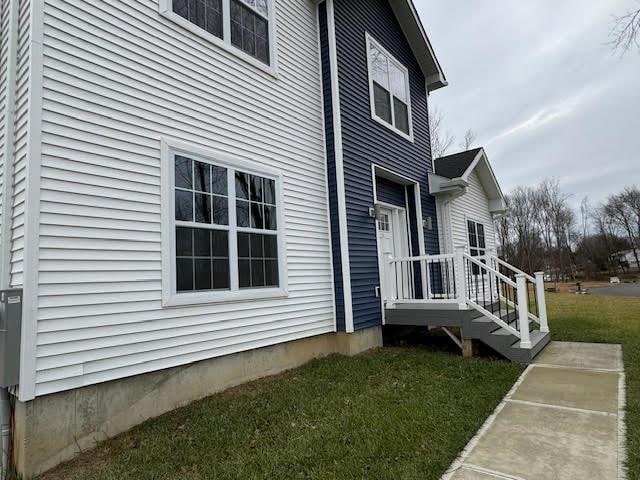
(10, 326)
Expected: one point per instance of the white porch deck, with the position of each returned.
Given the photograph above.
(488, 299)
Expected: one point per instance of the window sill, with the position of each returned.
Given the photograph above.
(271, 70)
(209, 298)
(392, 128)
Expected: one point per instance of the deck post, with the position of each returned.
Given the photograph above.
(523, 310)
(468, 348)
(542, 302)
(460, 287)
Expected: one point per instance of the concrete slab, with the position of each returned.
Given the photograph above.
(582, 355)
(567, 387)
(543, 443)
(466, 474)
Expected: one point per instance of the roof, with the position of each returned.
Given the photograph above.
(420, 45)
(452, 173)
(456, 165)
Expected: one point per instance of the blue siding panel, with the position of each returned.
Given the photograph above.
(390, 192)
(366, 141)
(331, 165)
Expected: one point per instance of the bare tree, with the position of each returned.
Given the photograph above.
(441, 139)
(469, 139)
(625, 31)
(622, 216)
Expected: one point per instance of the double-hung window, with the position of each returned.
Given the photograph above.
(242, 26)
(389, 90)
(477, 243)
(225, 227)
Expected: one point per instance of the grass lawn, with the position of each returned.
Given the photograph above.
(584, 318)
(388, 414)
(392, 413)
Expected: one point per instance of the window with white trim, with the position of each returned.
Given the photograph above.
(226, 227)
(477, 243)
(242, 24)
(389, 89)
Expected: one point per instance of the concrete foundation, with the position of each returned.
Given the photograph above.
(52, 429)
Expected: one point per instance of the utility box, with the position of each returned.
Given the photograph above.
(10, 336)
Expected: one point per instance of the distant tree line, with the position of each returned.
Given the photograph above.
(542, 232)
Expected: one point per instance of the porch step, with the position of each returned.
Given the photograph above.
(503, 341)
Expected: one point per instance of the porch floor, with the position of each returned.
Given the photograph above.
(561, 420)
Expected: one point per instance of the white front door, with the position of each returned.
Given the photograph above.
(393, 242)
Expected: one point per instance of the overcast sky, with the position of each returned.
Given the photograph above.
(541, 88)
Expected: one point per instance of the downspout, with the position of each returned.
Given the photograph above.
(6, 214)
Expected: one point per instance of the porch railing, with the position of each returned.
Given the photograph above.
(502, 292)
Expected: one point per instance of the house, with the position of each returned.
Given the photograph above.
(196, 194)
(627, 258)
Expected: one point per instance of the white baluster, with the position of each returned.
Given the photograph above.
(542, 302)
(523, 311)
(459, 278)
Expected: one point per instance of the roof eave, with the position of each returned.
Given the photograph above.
(420, 44)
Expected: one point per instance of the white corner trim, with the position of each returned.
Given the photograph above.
(370, 41)
(29, 334)
(170, 298)
(339, 161)
(165, 9)
(9, 147)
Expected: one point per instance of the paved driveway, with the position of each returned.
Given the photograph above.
(622, 290)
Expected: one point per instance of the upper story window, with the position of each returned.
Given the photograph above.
(389, 90)
(245, 27)
(225, 229)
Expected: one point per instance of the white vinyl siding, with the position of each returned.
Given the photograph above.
(474, 206)
(118, 77)
(21, 130)
(4, 90)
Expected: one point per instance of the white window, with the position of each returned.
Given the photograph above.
(477, 243)
(223, 229)
(245, 27)
(389, 90)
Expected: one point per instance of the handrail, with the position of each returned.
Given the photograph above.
(512, 268)
(477, 281)
(484, 266)
(448, 256)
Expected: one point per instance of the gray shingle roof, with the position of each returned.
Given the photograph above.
(454, 166)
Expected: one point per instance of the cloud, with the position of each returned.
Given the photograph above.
(541, 87)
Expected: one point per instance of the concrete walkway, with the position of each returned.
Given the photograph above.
(562, 420)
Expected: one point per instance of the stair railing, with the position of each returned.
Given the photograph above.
(503, 293)
(496, 296)
(534, 286)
